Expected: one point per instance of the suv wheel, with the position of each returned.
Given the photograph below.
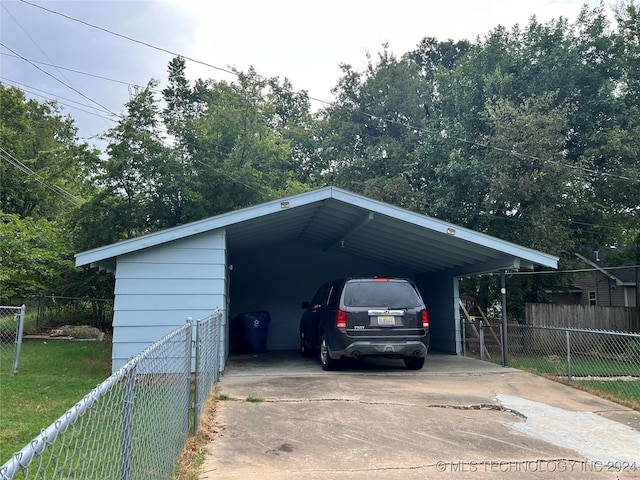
(414, 363)
(304, 349)
(326, 361)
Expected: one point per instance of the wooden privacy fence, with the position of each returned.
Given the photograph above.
(621, 319)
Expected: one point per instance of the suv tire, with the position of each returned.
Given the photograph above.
(414, 363)
(305, 351)
(326, 361)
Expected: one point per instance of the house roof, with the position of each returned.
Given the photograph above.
(332, 218)
(625, 275)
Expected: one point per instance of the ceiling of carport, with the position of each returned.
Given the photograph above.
(332, 218)
(395, 238)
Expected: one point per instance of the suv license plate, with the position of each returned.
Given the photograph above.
(386, 320)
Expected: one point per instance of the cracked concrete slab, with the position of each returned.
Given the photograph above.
(598, 439)
(456, 418)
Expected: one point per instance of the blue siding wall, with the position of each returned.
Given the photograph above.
(441, 295)
(279, 278)
(157, 289)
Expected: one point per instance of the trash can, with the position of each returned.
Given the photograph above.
(254, 332)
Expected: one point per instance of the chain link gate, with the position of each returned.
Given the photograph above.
(207, 363)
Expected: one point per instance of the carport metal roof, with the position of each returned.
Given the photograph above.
(332, 218)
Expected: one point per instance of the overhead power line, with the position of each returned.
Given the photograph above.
(369, 115)
(53, 97)
(514, 153)
(58, 67)
(575, 270)
(40, 49)
(60, 81)
(10, 159)
(146, 44)
(131, 39)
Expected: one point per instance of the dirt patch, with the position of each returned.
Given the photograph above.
(83, 332)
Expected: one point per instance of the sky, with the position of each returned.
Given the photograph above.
(51, 54)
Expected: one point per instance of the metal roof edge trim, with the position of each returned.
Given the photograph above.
(236, 216)
(199, 226)
(446, 228)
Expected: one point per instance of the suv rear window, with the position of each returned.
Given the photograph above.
(380, 294)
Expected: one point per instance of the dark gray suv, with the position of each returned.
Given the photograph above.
(366, 316)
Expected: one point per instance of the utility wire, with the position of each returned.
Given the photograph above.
(389, 120)
(58, 67)
(52, 96)
(60, 81)
(10, 159)
(369, 115)
(146, 44)
(512, 152)
(576, 270)
(38, 47)
(126, 37)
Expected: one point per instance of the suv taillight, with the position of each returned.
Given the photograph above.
(341, 320)
(425, 319)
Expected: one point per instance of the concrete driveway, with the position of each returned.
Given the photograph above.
(456, 418)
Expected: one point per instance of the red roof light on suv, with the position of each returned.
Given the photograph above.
(341, 320)
(376, 279)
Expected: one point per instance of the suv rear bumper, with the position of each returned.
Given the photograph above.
(415, 348)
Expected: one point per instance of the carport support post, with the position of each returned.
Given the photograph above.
(503, 294)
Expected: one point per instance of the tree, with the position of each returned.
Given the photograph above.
(368, 137)
(531, 193)
(128, 179)
(35, 256)
(43, 166)
(244, 150)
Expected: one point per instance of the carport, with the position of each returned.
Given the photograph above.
(272, 256)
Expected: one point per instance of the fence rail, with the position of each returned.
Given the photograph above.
(134, 424)
(604, 361)
(11, 329)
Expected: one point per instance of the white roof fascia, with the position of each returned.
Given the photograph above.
(208, 224)
(446, 228)
(220, 221)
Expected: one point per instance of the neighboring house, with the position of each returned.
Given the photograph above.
(273, 256)
(603, 287)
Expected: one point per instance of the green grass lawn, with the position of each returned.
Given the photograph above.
(53, 376)
(620, 390)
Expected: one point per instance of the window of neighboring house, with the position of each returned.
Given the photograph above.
(592, 298)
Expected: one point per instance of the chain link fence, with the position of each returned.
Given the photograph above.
(11, 328)
(133, 425)
(604, 362)
(207, 364)
(55, 311)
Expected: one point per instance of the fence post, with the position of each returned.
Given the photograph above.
(127, 425)
(16, 360)
(198, 379)
(464, 339)
(503, 294)
(568, 354)
(40, 322)
(187, 387)
(482, 355)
